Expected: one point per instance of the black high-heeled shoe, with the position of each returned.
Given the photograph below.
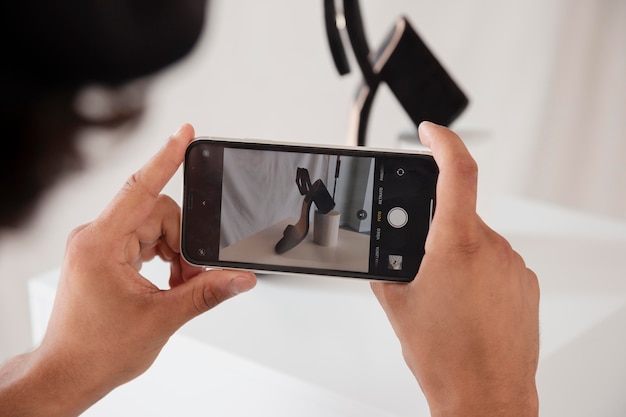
(414, 75)
(313, 193)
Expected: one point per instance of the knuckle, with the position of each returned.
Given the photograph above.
(166, 200)
(468, 241)
(468, 167)
(132, 181)
(205, 299)
(81, 241)
(77, 237)
(533, 282)
(136, 180)
(166, 203)
(503, 246)
(75, 233)
(462, 161)
(473, 242)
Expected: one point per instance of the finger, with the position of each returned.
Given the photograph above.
(458, 174)
(203, 292)
(136, 199)
(159, 234)
(181, 271)
(176, 276)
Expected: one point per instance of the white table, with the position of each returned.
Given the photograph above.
(322, 346)
(350, 253)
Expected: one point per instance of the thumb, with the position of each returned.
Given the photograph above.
(203, 292)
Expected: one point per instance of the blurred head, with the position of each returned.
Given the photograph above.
(52, 51)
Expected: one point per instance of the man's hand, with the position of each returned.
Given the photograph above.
(469, 322)
(109, 323)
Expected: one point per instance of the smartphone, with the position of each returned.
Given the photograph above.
(307, 209)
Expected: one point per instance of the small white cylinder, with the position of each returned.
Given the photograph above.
(326, 228)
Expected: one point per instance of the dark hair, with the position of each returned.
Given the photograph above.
(52, 51)
(38, 145)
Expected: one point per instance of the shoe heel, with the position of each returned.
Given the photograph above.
(417, 79)
(321, 197)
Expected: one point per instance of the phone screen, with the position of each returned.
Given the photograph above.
(351, 212)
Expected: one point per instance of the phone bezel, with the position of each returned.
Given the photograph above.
(268, 145)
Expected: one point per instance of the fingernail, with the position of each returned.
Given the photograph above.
(425, 131)
(241, 284)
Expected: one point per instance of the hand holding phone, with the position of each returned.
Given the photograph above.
(471, 319)
(306, 209)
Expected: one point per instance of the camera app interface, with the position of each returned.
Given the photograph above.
(336, 212)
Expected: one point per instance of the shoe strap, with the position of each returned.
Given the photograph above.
(303, 180)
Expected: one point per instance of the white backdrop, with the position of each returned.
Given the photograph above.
(260, 190)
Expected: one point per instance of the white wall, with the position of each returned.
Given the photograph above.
(545, 80)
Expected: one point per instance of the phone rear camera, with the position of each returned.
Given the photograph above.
(361, 214)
